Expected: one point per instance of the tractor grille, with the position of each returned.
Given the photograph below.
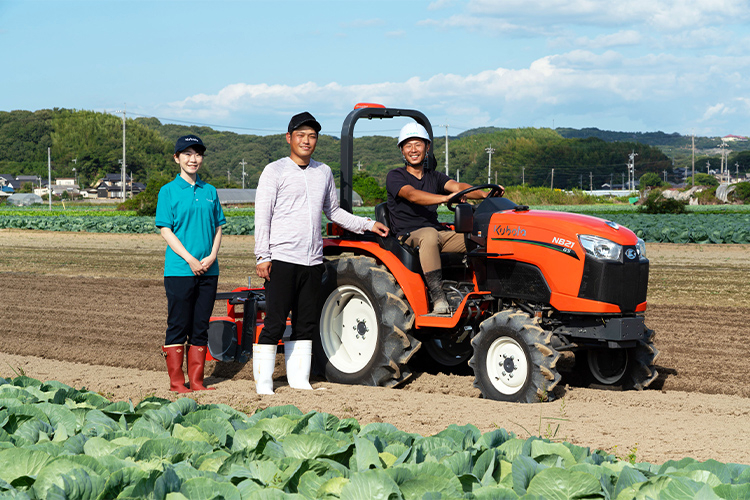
(621, 283)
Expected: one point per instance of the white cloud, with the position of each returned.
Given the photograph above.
(396, 34)
(701, 38)
(716, 110)
(605, 90)
(489, 25)
(440, 4)
(618, 39)
(667, 15)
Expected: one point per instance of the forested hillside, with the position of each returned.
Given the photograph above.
(524, 155)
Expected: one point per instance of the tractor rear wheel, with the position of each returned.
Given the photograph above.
(363, 325)
(514, 359)
(627, 368)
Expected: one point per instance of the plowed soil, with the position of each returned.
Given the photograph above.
(89, 310)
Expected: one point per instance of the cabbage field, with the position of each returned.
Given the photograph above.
(694, 227)
(57, 442)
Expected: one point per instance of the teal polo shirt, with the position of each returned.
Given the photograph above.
(193, 213)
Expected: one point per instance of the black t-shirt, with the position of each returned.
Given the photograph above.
(405, 215)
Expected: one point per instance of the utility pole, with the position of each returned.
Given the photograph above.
(665, 175)
(552, 181)
(737, 170)
(523, 176)
(122, 172)
(693, 160)
(359, 164)
(49, 177)
(580, 181)
(227, 178)
(243, 163)
(458, 175)
(708, 167)
(623, 181)
(591, 182)
(446, 148)
(631, 169)
(489, 150)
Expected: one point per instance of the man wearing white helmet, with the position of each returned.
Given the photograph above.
(414, 193)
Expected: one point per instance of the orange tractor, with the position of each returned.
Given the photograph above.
(534, 284)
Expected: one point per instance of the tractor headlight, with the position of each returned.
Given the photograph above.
(641, 247)
(599, 247)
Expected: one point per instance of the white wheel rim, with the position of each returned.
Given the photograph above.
(507, 366)
(348, 329)
(596, 369)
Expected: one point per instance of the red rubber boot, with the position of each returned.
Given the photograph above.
(174, 354)
(196, 363)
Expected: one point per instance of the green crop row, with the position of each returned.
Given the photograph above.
(55, 212)
(118, 224)
(57, 442)
(688, 228)
(684, 228)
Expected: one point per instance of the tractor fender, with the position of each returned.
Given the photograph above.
(410, 282)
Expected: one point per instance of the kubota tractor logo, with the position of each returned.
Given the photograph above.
(510, 231)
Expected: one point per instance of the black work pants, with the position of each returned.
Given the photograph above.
(190, 302)
(294, 288)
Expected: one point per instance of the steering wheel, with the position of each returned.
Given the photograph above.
(495, 190)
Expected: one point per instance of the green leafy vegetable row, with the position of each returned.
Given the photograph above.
(57, 442)
(688, 228)
(685, 228)
(114, 224)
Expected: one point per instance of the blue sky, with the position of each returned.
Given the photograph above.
(247, 66)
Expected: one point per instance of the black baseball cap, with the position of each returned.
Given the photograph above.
(301, 119)
(187, 141)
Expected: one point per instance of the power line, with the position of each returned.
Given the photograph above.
(231, 127)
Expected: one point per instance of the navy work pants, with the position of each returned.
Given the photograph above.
(190, 302)
(294, 288)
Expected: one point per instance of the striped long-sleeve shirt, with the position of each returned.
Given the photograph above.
(288, 206)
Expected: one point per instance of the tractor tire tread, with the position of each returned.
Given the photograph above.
(396, 319)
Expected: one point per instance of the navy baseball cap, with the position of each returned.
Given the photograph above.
(187, 141)
(302, 119)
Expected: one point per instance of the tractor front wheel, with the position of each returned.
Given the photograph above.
(513, 359)
(631, 368)
(363, 325)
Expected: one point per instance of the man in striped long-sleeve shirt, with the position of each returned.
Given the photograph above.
(292, 193)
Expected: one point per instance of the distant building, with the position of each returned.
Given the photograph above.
(7, 187)
(731, 138)
(110, 186)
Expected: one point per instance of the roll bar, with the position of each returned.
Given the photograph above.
(347, 143)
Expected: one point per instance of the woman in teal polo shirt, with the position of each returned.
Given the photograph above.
(189, 216)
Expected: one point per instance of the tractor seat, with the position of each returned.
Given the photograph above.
(407, 254)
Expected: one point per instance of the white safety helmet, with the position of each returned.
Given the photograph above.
(412, 130)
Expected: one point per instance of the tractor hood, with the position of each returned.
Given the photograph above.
(576, 263)
(501, 218)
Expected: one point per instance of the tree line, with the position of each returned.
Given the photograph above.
(91, 142)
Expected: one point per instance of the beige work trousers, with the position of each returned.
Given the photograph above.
(431, 242)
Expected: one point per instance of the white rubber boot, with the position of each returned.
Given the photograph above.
(298, 356)
(264, 360)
